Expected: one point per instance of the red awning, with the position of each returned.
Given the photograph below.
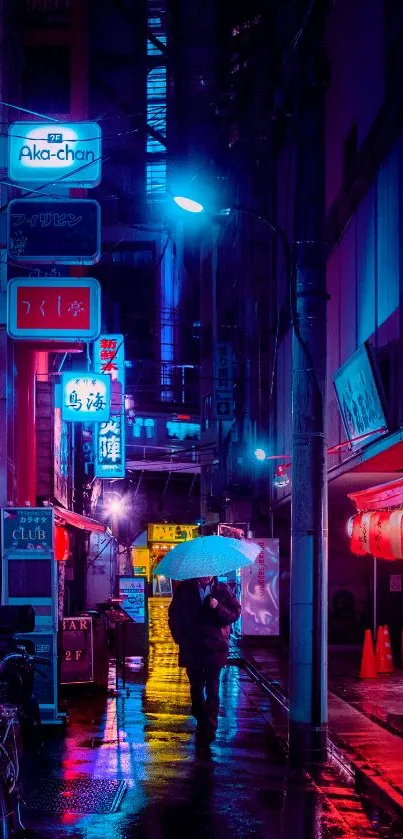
(381, 497)
(64, 516)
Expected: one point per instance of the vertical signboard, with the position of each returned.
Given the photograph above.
(133, 597)
(77, 655)
(223, 402)
(260, 591)
(110, 454)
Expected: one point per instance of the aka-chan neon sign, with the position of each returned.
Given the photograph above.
(41, 152)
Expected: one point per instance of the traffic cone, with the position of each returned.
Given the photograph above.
(383, 658)
(368, 670)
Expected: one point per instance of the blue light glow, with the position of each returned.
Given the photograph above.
(188, 204)
(260, 454)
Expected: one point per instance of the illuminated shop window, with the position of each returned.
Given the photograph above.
(143, 427)
(183, 430)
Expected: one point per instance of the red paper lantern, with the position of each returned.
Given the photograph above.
(62, 545)
(379, 535)
(396, 533)
(355, 530)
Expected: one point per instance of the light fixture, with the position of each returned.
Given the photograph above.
(115, 506)
(281, 477)
(188, 204)
(260, 454)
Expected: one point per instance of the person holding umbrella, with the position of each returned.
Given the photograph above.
(199, 616)
(201, 613)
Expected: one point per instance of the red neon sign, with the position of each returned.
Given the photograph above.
(61, 308)
(53, 308)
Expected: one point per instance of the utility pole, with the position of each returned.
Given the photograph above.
(308, 631)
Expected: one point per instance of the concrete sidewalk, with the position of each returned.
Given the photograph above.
(360, 717)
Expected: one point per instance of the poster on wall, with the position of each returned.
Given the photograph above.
(360, 396)
(260, 591)
(132, 597)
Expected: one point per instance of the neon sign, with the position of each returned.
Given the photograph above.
(62, 308)
(44, 152)
(85, 397)
(110, 448)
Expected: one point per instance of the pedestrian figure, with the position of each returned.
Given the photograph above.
(199, 617)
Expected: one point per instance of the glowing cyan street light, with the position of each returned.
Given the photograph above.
(188, 204)
(260, 454)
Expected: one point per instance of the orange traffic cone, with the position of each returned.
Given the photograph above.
(383, 658)
(368, 670)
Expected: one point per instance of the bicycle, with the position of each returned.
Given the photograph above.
(11, 825)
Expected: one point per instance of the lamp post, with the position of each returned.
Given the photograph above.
(308, 591)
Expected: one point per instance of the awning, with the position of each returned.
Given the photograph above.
(64, 516)
(381, 497)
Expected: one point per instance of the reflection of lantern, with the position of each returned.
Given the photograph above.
(62, 547)
(379, 535)
(354, 531)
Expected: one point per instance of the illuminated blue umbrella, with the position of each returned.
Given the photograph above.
(207, 556)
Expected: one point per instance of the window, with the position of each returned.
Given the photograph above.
(46, 79)
(143, 428)
(183, 430)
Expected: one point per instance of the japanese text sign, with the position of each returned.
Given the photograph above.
(66, 231)
(63, 309)
(110, 448)
(68, 154)
(132, 596)
(109, 357)
(27, 529)
(172, 532)
(223, 407)
(360, 396)
(85, 397)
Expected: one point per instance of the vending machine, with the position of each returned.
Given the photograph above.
(29, 576)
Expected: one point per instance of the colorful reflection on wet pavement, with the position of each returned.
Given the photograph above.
(145, 738)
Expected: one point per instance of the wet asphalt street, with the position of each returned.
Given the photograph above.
(127, 766)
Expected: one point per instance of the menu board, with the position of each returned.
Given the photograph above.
(132, 596)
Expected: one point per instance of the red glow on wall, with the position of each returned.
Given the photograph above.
(62, 545)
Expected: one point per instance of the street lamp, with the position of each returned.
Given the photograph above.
(188, 204)
(305, 263)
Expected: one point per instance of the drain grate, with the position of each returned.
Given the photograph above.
(80, 795)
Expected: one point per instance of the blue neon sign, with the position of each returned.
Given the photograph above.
(40, 152)
(86, 397)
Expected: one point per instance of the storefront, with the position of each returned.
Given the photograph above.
(161, 538)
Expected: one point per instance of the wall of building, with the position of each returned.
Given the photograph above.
(355, 44)
(364, 189)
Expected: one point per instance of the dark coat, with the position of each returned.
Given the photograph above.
(202, 632)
